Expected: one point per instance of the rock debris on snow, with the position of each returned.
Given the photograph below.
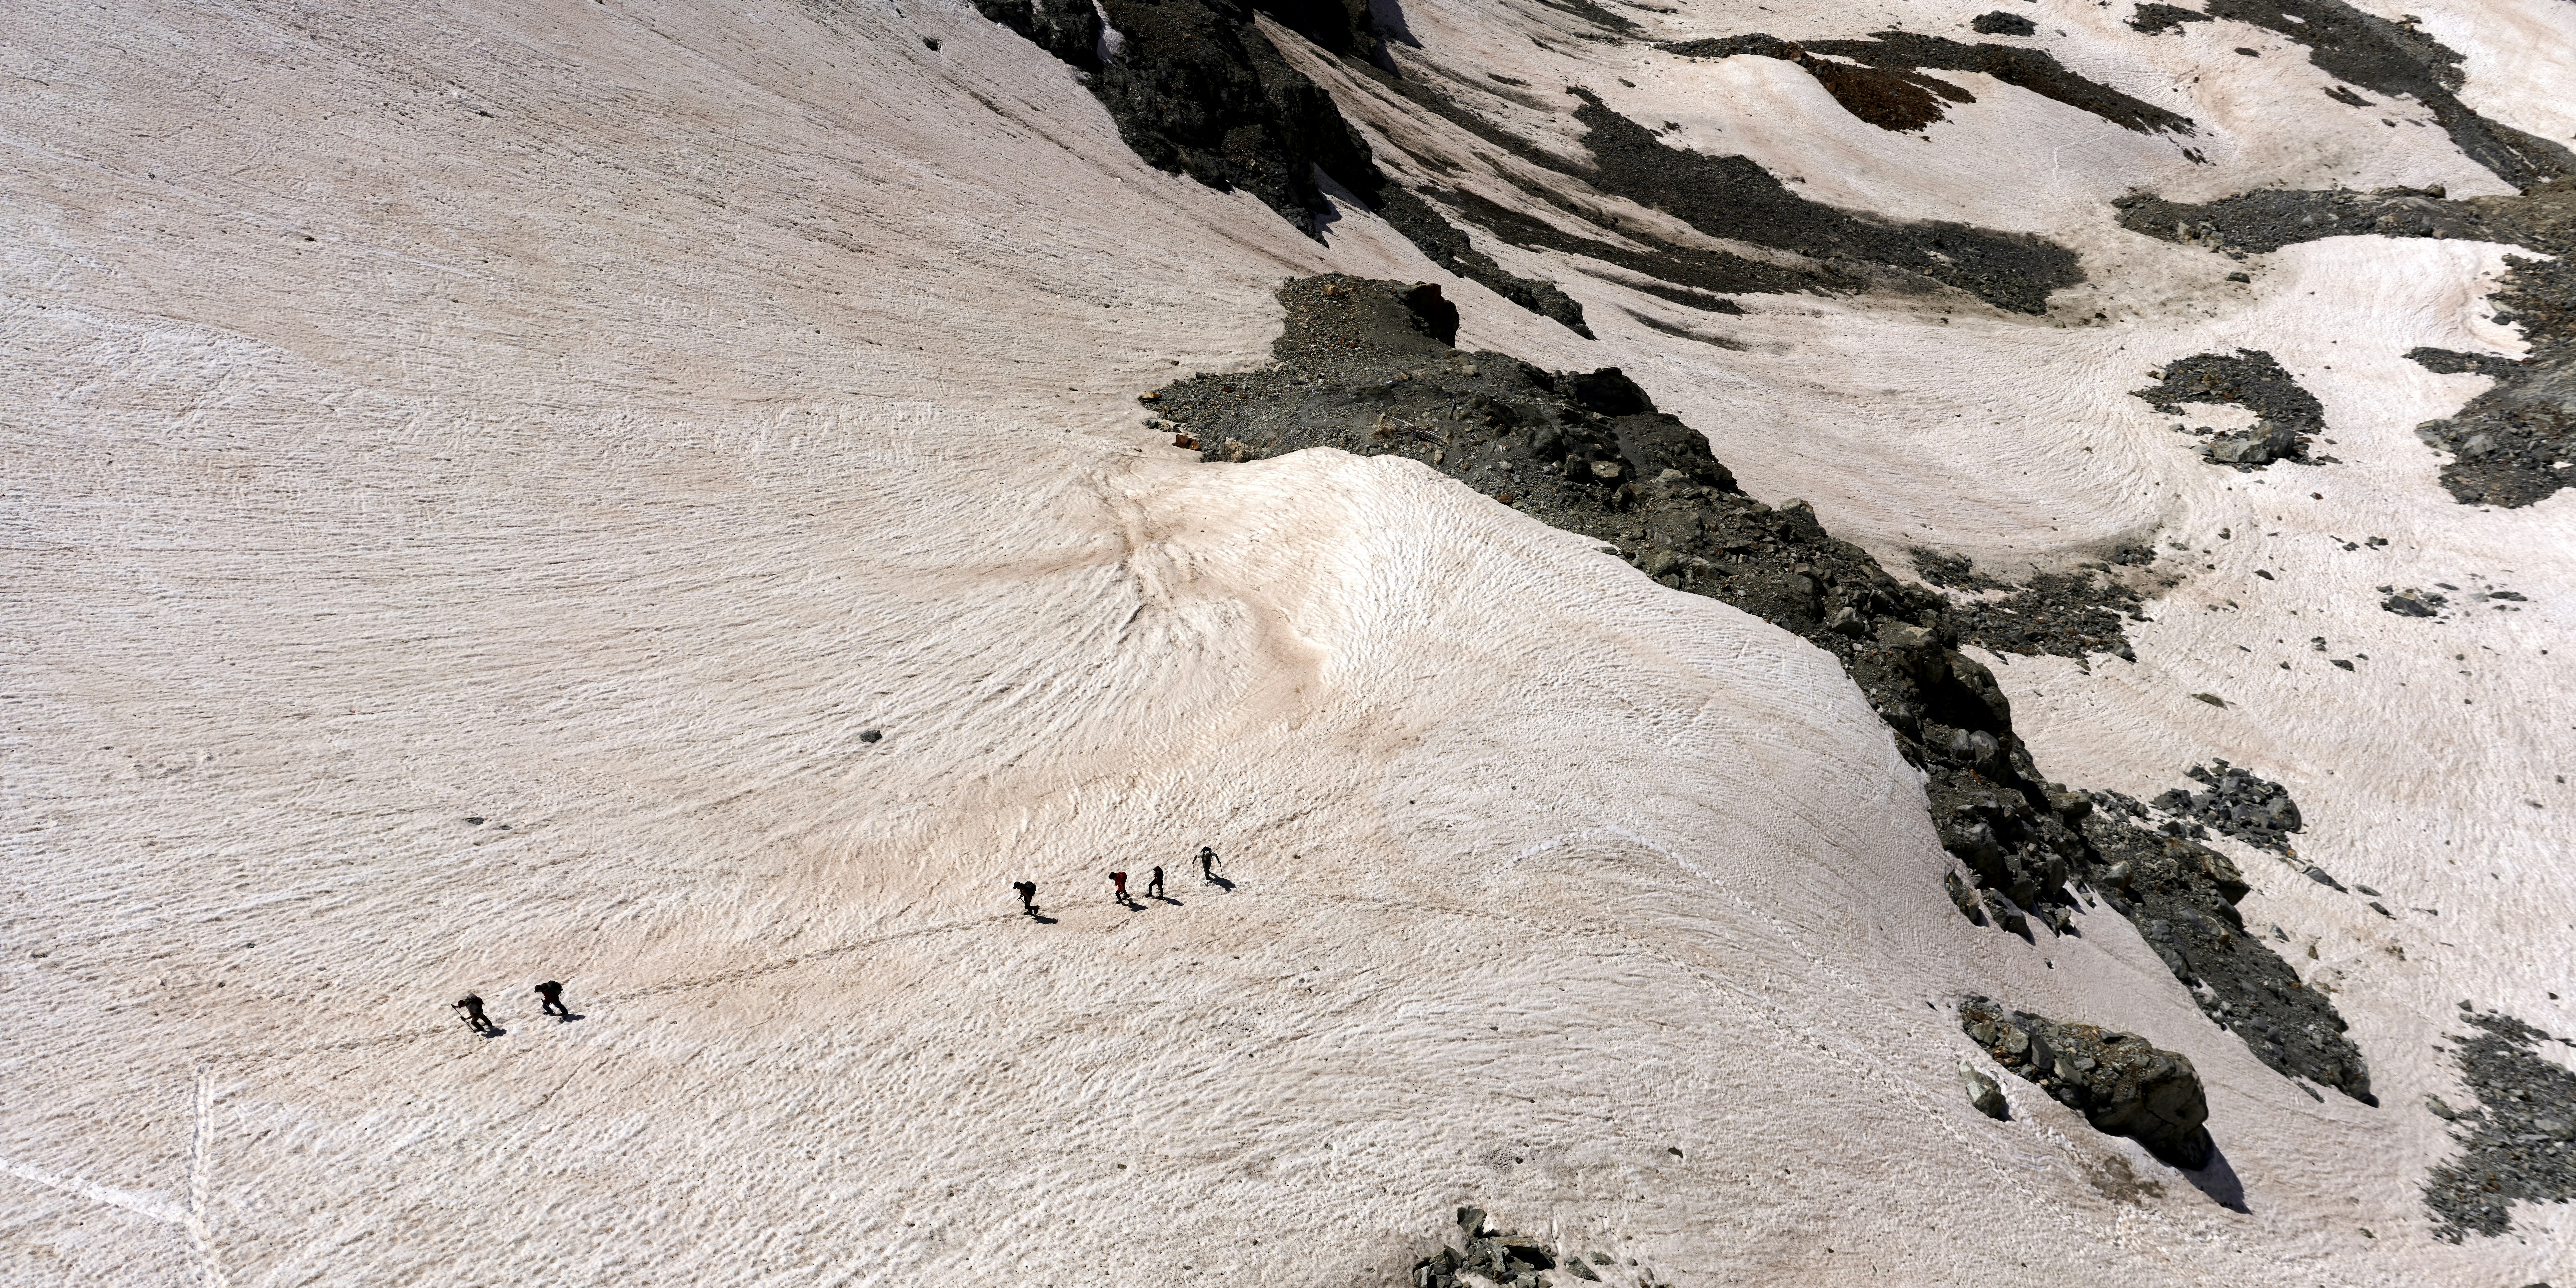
(2518, 1145)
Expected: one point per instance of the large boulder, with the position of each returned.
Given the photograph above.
(2118, 1081)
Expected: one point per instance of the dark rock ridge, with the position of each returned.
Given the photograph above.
(2518, 1144)
(2289, 415)
(2182, 898)
(1728, 197)
(1448, 247)
(1366, 367)
(2511, 445)
(1499, 1257)
(2254, 810)
(2155, 18)
(1197, 89)
(1732, 197)
(2000, 23)
(2267, 220)
(2121, 1083)
(1905, 54)
(2391, 58)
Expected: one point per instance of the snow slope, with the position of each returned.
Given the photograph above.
(590, 418)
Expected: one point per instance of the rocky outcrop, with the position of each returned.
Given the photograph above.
(2254, 810)
(1360, 369)
(2120, 1083)
(1983, 1092)
(2268, 219)
(2080, 614)
(2288, 416)
(2182, 897)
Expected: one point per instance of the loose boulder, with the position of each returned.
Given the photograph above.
(2120, 1083)
(1984, 1093)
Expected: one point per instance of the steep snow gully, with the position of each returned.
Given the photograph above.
(1887, 645)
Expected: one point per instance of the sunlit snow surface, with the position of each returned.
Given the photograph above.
(591, 418)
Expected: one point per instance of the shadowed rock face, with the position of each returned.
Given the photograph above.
(1363, 367)
(1068, 29)
(2120, 1083)
(1198, 89)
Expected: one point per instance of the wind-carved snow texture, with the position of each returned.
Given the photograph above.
(2514, 443)
(2287, 415)
(2518, 1144)
(1196, 88)
(1888, 88)
(1366, 367)
(2389, 58)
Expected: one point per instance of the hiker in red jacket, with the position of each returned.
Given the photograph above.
(1119, 880)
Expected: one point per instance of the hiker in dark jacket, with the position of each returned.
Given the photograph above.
(1028, 896)
(550, 1000)
(474, 1017)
